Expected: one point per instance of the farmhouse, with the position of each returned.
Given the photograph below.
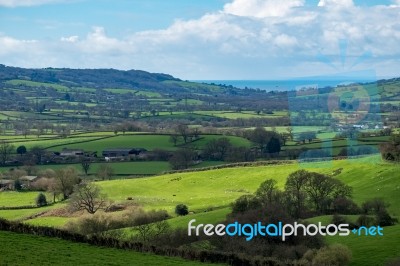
(123, 152)
(6, 184)
(28, 179)
(71, 152)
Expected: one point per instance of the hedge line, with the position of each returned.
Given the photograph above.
(232, 165)
(189, 254)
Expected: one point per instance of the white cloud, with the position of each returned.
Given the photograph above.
(261, 8)
(16, 3)
(336, 3)
(71, 39)
(247, 39)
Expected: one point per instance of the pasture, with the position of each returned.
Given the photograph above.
(38, 250)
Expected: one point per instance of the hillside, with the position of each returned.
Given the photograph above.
(209, 194)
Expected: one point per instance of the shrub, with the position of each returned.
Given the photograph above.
(17, 185)
(334, 255)
(364, 220)
(384, 219)
(41, 200)
(181, 210)
(339, 219)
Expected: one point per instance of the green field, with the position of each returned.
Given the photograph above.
(209, 194)
(149, 142)
(13, 199)
(24, 249)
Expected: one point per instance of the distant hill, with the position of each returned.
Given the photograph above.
(87, 77)
(99, 78)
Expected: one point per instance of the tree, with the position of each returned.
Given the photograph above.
(6, 150)
(21, 150)
(182, 159)
(294, 188)
(174, 139)
(274, 145)
(105, 171)
(87, 196)
(184, 131)
(66, 179)
(318, 188)
(17, 185)
(217, 149)
(181, 210)
(259, 136)
(391, 151)
(38, 152)
(41, 200)
(268, 192)
(86, 163)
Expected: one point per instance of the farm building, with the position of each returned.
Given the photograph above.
(71, 152)
(112, 153)
(28, 179)
(6, 184)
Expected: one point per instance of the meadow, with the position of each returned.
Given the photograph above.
(37, 250)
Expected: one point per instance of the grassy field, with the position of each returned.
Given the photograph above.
(149, 142)
(36, 250)
(209, 194)
(12, 199)
(369, 250)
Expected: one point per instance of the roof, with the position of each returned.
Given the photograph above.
(123, 150)
(71, 150)
(28, 177)
(5, 181)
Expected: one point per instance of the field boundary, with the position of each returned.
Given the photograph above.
(185, 253)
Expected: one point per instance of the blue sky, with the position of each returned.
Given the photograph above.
(204, 39)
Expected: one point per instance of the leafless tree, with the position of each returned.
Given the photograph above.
(87, 196)
(5, 151)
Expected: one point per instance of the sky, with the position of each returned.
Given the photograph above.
(205, 39)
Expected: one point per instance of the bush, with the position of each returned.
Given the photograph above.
(181, 210)
(365, 220)
(41, 200)
(339, 219)
(334, 255)
(17, 185)
(384, 219)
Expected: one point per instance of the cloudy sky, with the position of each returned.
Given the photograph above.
(205, 39)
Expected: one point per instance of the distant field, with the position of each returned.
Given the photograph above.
(12, 199)
(120, 168)
(149, 142)
(37, 250)
(36, 84)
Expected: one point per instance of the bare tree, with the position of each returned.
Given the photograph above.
(86, 163)
(5, 151)
(66, 179)
(174, 139)
(87, 196)
(38, 152)
(105, 171)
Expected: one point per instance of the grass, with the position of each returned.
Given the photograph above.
(24, 213)
(215, 190)
(149, 142)
(36, 84)
(50, 221)
(37, 250)
(14, 199)
(369, 250)
(120, 168)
